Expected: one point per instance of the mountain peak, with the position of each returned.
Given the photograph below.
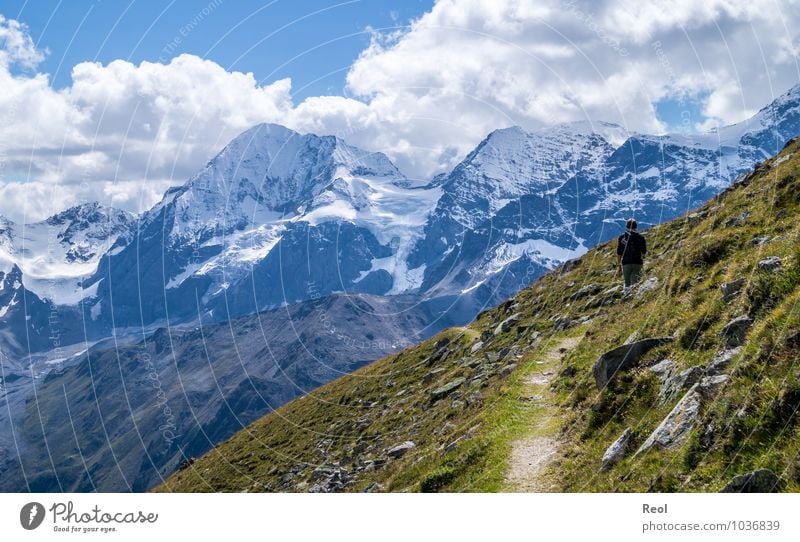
(92, 212)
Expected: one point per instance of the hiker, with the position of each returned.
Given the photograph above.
(631, 248)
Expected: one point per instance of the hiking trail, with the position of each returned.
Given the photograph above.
(533, 452)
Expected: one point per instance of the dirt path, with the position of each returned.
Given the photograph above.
(531, 454)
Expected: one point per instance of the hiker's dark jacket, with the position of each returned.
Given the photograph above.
(632, 247)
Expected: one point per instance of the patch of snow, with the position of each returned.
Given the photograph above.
(95, 311)
(543, 251)
(652, 171)
(60, 290)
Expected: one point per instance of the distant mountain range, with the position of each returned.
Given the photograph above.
(278, 218)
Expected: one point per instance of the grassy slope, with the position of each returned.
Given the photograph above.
(463, 441)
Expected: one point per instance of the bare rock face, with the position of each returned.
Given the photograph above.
(663, 369)
(506, 325)
(675, 384)
(585, 291)
(771, 263)
(616, 451)
(675, 428)
(623, 357)
(721, 361)
(447, 389)
(647, 286)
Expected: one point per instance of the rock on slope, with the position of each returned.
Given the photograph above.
(701, 410)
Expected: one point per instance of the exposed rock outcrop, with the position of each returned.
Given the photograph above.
(758, 481)
(731, 289)
(400, 450)
(771, 263)
(734, 332)
(623, 357)
(675, 428)
(616, 451)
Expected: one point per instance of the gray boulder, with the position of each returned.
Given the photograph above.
(447, 389)
(734, 332)
(440, 354)
(432, 375)
(738, 220)
(675, 428)
(374, 487)
(623, 357)
(758, 241)
(616, 451)
(507, 370)
(663, 369)
(771, 263)
(568, 266)
(708, 385)
(329, 479)
(758, 481)
(562, 323)
(506, 325)
(647, 286)
(401, 449)
(731, 289)
(589, 289)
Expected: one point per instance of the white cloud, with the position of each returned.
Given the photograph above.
(16, 45)
(473, 66)
(121, 133)
(426, 95)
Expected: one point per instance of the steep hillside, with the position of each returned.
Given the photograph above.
(692, 378)
(120, 414)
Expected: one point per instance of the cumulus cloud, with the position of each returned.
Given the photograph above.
(120, 134)
(426, 95)
(470, 66)
(16, 45)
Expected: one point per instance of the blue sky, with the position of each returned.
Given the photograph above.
(154, 30)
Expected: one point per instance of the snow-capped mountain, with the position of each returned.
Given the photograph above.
(522, 202)
(56, 254)
(43, 271)
(278, 217)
